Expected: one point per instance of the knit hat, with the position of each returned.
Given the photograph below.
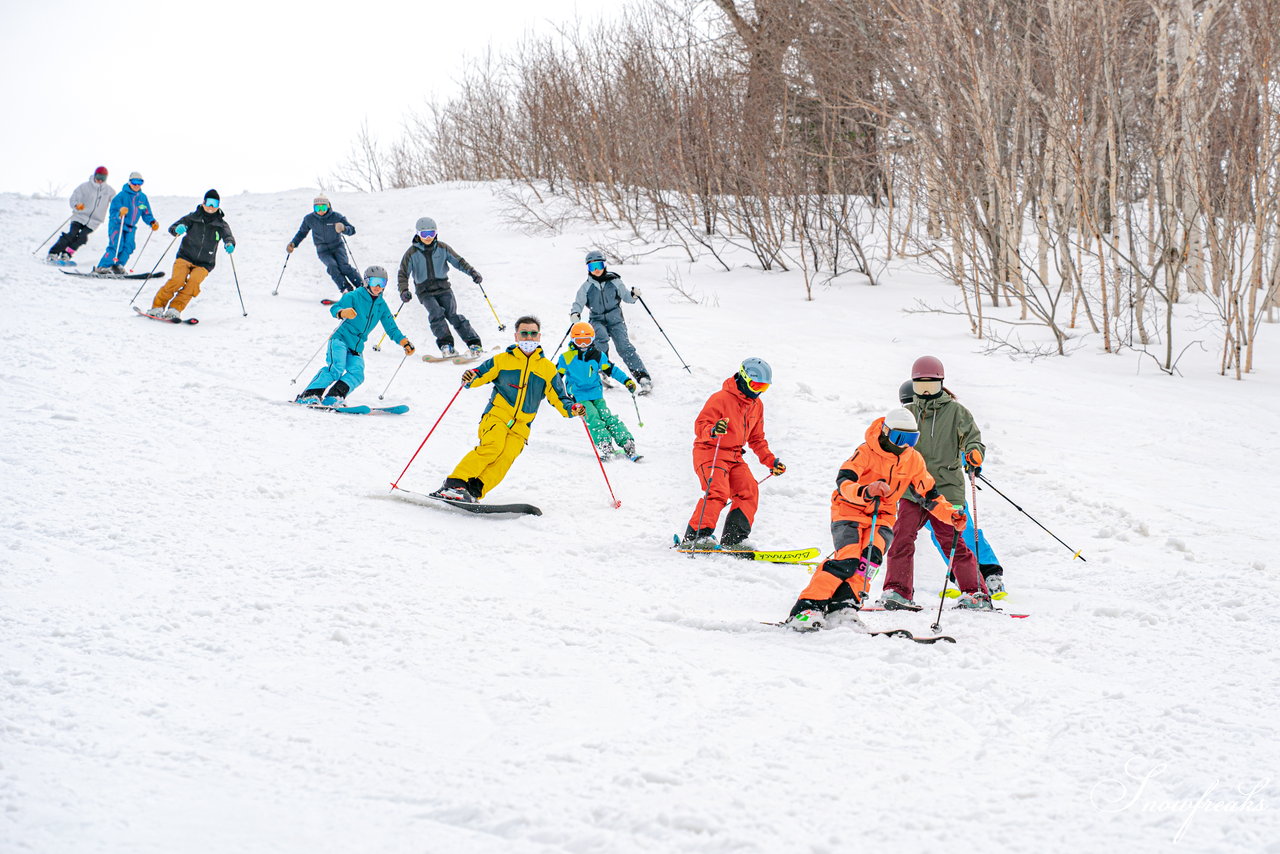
(101, 170)
(321, 199)
(212, 194)
(135, 176)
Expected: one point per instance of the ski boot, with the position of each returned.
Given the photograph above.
(102, 271)
(118, 269)
(806, 616)
(173, 314)
(892, 600)
(645, 384)
(993, 573)
(158, 311)
(334, 401)
(475, 349)
(844, 613)
(607, 449)
(703, 540)
(974, 602)
(310, 397)
(447, 351)
(454, 493)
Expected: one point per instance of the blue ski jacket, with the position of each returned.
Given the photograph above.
(581, 370)
(139, 208)
(321, 230)
(370, 310)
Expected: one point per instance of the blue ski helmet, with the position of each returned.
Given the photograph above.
(754, 377)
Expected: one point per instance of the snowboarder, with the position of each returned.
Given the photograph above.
(128, 206)
(868, 488)
(948, 436)
(89, 204)
(974, 537)
(200, 231)
(428, 260)
(522, 377)
(731, 418)
(360, 310)
(326, 227)
(582, 366)
(604, 293)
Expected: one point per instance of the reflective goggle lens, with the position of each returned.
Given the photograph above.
(926, 387)
(582, 343)
(136, 182)
(321, 208)
(758, 388)
(595, 266)
(212, 203)
(428, 234)
(904, 438)
(376, 282)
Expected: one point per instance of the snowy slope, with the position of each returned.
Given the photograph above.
(218, 632)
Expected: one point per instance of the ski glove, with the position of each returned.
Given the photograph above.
(635, 292)
(405, 296)
(721, 427)
(469, 375)
(290, 248)
(575, 317)
(577, 409)
(230, 247)
(124, 212)
(973, 460)
(339, 228)
(778, 467)
(179, 230)
(80, 206)
(477, 278)
(631, 385)
(876, 489)
(347, 313)
(407, 345)
(959, 519)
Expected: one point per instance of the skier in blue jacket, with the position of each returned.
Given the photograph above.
(129, 205)
(360, 310)
(582, 365)
(603, 293)
(326, 227)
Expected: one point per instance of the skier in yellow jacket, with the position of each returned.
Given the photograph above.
(521, 378)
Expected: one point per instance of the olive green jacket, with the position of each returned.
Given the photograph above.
(947, 433)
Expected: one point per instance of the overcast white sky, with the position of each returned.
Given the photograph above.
(257, 95)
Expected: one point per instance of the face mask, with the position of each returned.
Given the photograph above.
(527, 347)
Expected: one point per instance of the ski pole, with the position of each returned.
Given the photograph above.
(396, 483)
(393, 376)
(287, 255)
(664, 334)
(317, 352)
(153, 270)
(561, 344)
(977, 532)
(951, 562)
(639, 420)
(501, 325)
(119, 241)
(143, 250)
(1075, 553)
(351, 254)
(612, 497)
(244, 312)
(763, 479)
(378, 347)
(710, 474)
(55, 231)
(868, 569)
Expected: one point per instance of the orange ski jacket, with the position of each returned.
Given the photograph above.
(870, 463)
(746, 425)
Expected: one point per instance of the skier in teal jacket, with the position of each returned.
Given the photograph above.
(129, 205)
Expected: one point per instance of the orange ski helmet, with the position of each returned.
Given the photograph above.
(582, 334)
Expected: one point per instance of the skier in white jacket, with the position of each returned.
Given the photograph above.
(89, 203)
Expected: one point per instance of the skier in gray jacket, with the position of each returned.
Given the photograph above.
(604, 293)
(428, 260)
(89, 203)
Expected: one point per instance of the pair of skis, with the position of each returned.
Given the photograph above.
(357, 410)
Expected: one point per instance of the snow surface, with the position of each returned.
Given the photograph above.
(218, 632)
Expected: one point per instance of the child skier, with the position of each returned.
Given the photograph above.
(200, 231)
(129, 205)
(429, 259)
(948, 434)
(89, 204)
(360, 310)
(731, 418)
(582, 366)
(604, 293)
(868, 487)
(521, 379)
(326, 227)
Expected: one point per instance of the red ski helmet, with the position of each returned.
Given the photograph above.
(927, 367)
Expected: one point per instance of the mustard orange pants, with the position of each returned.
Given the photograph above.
(183, 286)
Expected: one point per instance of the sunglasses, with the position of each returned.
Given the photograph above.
(595, 266)
(427, 235)
(529, 333)
(904, 438)
(321, 208)
(376, 282)
(211, 203)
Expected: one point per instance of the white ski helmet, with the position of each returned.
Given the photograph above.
(903, 429)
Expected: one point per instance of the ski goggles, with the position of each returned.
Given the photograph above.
(583, 342)
(137, 182)
(319, 208)
(595, 266)
(904, 438)
(375, 282)
(429, 234)
(211, 203)
(924, 388)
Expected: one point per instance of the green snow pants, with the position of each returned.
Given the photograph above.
(604, 425)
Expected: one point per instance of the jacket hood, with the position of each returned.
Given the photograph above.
(731, 385)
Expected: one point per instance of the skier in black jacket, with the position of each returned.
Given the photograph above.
(200, 231)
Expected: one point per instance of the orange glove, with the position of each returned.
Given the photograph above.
(155, 226)
(80, 207)
(959, 519)
(469, 375)
(347, 313)
(408, 347)
(124, 212)
(289, 249)
(876, 489)
(973, 460)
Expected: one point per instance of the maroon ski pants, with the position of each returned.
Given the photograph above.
(902, 552)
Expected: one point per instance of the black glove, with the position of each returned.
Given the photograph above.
(721, 427)
(477, 278)
(405, 296)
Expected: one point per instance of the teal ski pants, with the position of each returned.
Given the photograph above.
(604, 425)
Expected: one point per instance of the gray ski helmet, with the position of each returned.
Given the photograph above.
(375, 270)
(906, 392)
(425, 223)
(595, 255)
(756, 370)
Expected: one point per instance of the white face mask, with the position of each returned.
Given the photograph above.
(527, 347)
